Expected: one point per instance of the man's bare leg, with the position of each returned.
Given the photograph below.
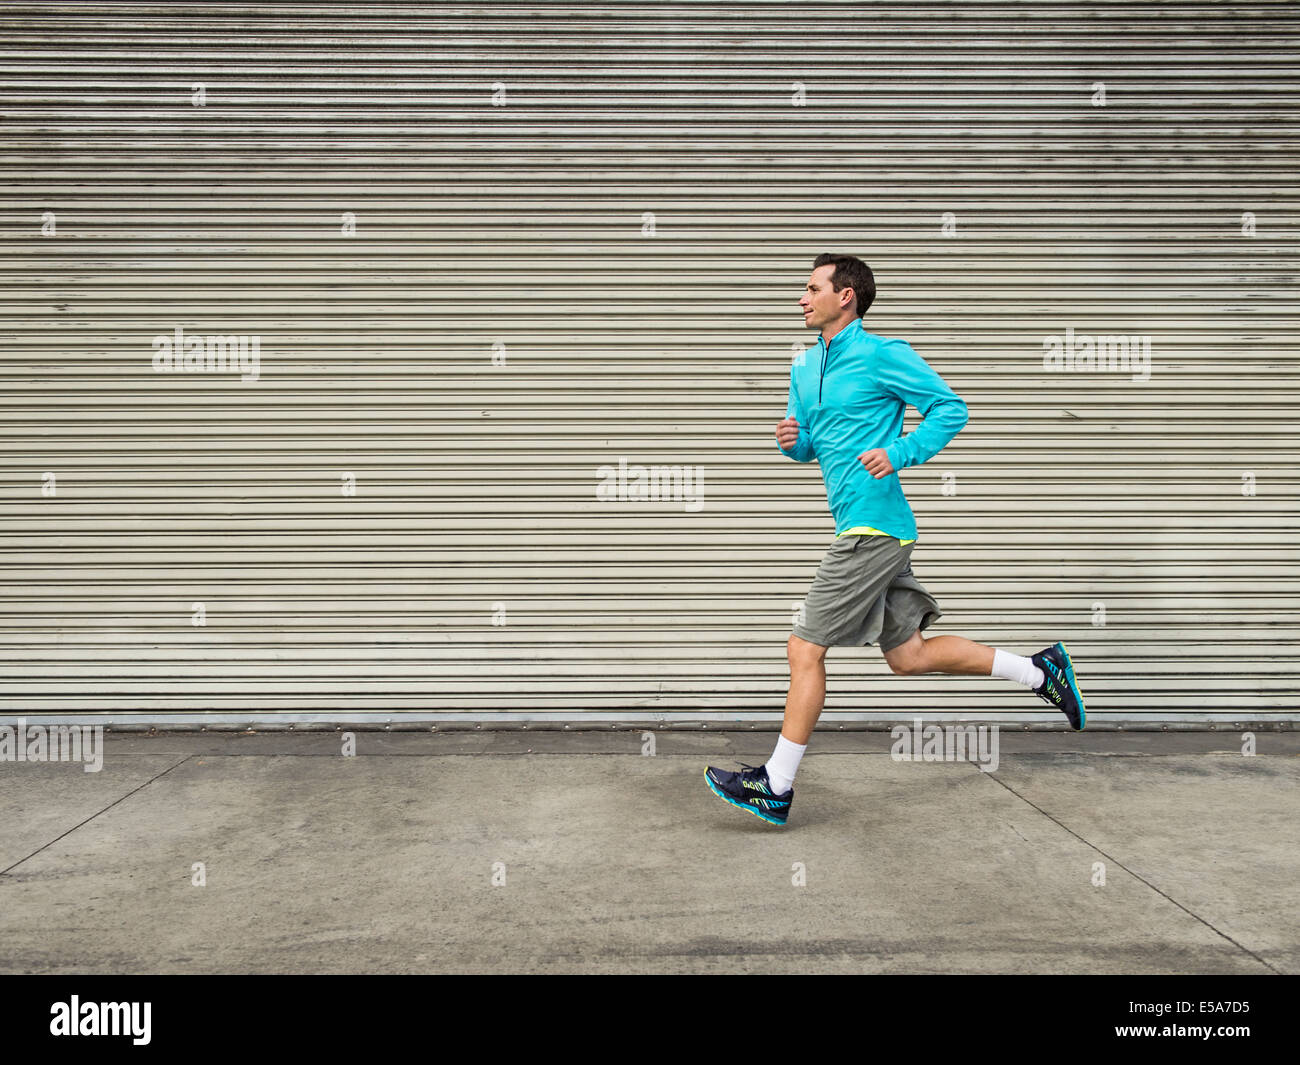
(940, 654)
(807, 694)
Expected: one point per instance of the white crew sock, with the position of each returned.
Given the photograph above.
(783, 765)
(1013, 667)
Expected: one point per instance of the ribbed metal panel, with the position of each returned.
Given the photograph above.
(756, 135)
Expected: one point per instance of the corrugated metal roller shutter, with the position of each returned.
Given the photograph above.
(627, 229)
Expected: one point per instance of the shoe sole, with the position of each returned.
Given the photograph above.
(1074, 687)
(739, 805)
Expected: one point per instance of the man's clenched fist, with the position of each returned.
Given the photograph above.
(787, 434)
(877, 462)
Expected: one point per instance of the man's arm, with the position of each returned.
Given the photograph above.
(903, 373)
(801, 450)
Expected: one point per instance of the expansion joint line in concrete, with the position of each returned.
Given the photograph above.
(1140, 879)
(123, 798)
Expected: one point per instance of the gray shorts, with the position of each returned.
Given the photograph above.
(865, 593)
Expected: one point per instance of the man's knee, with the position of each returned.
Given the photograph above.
(908, 658)
(905, 667)
(803, 654)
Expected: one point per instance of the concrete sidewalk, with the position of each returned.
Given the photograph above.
(561, 852)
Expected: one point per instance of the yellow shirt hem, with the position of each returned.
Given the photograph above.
(867, 530)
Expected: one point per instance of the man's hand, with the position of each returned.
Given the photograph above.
(787, 434)
(877, 462)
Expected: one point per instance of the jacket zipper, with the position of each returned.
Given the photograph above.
(826, 349)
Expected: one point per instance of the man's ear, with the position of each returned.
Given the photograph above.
(850, 293)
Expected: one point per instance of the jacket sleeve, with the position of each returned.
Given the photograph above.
(803, 449)
(903, 373)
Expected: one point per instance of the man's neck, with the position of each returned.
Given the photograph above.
(829, 331)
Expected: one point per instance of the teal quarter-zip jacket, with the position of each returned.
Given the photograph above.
(849, 397)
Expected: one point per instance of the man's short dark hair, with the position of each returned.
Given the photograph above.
(850, 272)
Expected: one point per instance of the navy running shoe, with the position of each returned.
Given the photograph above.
(750, 790)
(1059, 688)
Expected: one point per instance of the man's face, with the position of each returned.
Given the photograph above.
(821, 304)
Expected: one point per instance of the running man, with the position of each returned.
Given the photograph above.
(846, 411)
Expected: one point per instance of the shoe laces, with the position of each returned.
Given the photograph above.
(753, 771)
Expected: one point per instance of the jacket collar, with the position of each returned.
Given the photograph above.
(854, 328)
